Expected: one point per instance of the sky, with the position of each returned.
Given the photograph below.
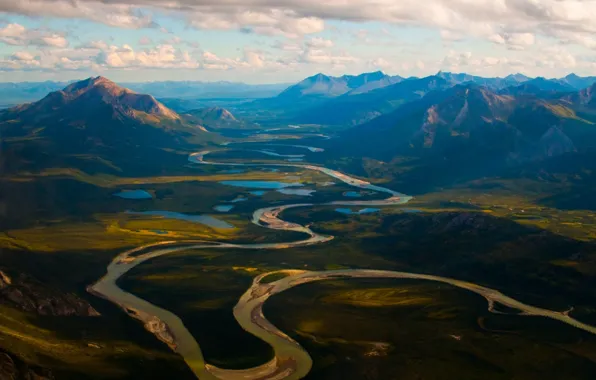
(283, 41)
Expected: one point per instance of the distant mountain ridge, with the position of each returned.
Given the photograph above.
(358, 108)
(22, 92)
(332, 104)
(321, 85)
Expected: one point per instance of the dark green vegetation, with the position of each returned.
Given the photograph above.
(412, 330)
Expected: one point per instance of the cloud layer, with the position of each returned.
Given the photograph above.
(540, 36)
(495, 20)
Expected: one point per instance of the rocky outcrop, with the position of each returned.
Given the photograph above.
(25, 293)
(12, 368)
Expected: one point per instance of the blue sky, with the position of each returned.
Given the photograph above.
(273, 41)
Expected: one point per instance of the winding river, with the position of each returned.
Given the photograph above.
(290, 360)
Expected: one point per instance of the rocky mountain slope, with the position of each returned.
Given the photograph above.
(470, 118)
(93, 118)
(357, 108)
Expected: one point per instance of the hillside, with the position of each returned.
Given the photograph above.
(93, 118)
(327, 86)
(318, 89)
(354, 109)
(468, 131)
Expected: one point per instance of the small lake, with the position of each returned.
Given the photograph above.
(202, 219)
(289, 156)
(302, 192)
(411, 210)
(239, 198)
(133, 194)
(349, 211)
(352, 194)
(261, 184)
(258, 192)
(223, 208)
(232, 171)
(160, 232)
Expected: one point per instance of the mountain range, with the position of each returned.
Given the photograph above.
(330, 101)
(12, 93)
(472, 131)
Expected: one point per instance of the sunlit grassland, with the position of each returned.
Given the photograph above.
(517, 200)
(378, 297)
(107, 232)
(110, 181)
(112, 231)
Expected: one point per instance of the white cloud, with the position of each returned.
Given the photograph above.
(514, 41)
(478, 18)
(319, 43)
(285, 46)
(516, 30)
(162, 57)
(380, 63)
(510, 22)
(449, 35)
(318, 56)
(16, 34)
(267, 22)
(118, 15)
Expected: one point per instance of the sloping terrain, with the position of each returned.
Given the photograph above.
(94, 122)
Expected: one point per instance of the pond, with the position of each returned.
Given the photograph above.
(202, 219)
(133, 194)
(261, 184)
(258, 192)
(352, 194)
(360, 212)
(239, 198)
(232, 171)
(303, 192)
(223, 208)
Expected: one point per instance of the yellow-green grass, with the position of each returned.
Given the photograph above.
(518, 200)
(107, 180)
(108, 231)
(379, 297)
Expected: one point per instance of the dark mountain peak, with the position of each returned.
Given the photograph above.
(431, 79)
(517, 77)
(550, 85)
(584, 97)
(572, 76)
(216, 114)
(356, 81)
(375, 75)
